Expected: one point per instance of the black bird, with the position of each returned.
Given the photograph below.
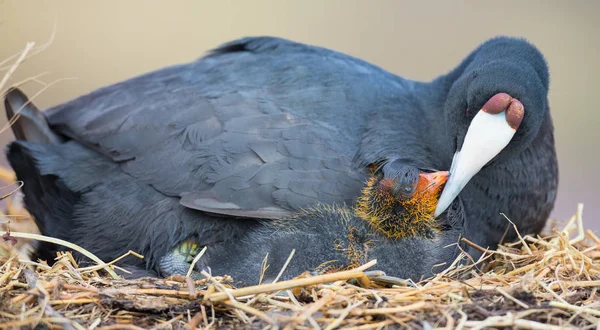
(261, 128)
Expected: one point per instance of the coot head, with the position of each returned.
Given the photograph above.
(494, 109)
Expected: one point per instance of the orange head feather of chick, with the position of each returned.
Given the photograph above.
(400, 215)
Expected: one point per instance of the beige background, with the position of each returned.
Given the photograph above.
(102, 42)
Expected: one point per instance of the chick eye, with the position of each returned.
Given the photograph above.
(408, 189)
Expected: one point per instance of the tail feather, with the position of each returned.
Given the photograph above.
(31, 124)
(47, 199)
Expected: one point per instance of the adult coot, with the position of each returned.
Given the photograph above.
(264, 127)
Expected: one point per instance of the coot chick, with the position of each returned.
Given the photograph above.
(392, 222)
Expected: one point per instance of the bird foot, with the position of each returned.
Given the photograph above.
(179, 260)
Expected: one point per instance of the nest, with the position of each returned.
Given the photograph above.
(538, 282)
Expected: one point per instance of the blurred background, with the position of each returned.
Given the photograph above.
(103, 42)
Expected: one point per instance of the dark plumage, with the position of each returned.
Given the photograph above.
(263, 127)
(328, 238)
(103, 209)
(338, 237)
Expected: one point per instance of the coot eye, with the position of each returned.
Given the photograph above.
(408, 189)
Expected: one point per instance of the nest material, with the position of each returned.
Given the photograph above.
(537, 283)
